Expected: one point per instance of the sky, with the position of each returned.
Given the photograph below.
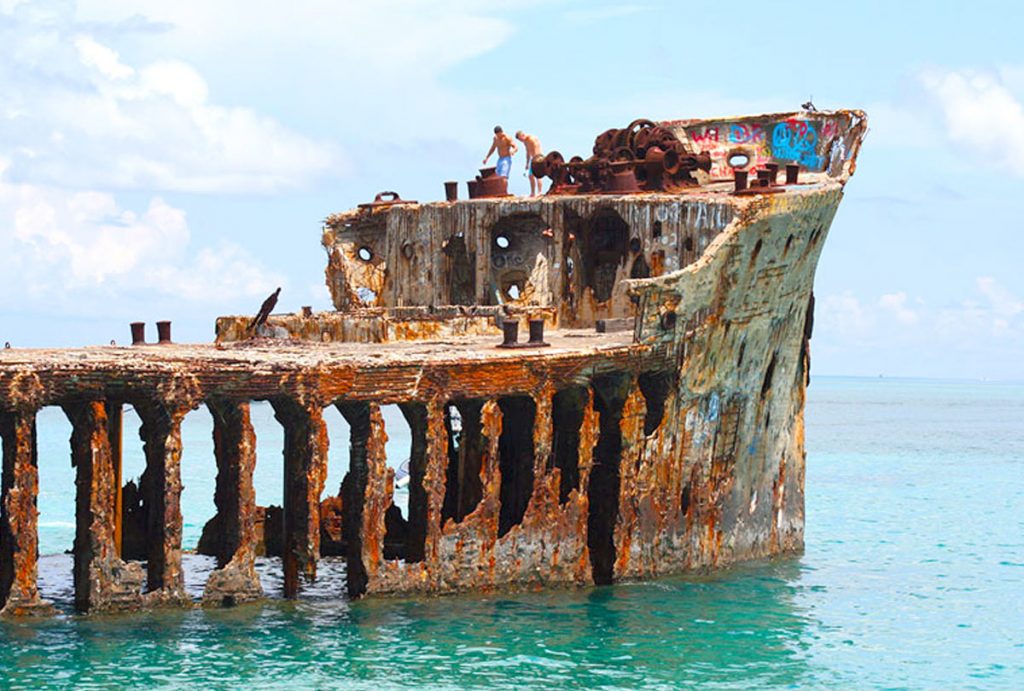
(176, 160)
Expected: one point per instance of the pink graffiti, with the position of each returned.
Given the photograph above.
(721, 139)
(704, 136)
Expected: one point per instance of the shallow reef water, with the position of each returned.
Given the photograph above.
(912, 577)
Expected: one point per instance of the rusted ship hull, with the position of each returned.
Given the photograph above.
(660, 430)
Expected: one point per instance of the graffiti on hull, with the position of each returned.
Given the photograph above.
(799, 141)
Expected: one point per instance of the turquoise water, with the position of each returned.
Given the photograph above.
(913, 576)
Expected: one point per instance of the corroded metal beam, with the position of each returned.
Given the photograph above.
(103, 581)
(19, 518)
(161, 491)
(234, 446)
(305, 470)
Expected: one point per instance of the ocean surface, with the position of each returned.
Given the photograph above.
(913, 577)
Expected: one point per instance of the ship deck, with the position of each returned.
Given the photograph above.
(265, 368)
(712, 191)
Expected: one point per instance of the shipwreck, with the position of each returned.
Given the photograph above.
(604, 382)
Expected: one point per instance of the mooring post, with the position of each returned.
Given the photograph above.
(102, 580)
(234, 446)
(305, 470)
(19, 519)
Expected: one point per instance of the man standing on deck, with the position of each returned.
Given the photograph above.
(505, 147)
(532, 151)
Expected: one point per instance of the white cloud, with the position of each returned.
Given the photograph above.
(981, 114)
(364, 73)
(981, 334)
(896, 304)
(845, 315)
(397, 38)
(101, 58)
(1002, 302)
(84, 116)
(65, 249)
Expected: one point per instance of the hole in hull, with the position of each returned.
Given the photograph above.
(567, 412)
(515, 458)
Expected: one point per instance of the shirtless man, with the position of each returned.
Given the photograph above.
(532, 150)
(506, 148)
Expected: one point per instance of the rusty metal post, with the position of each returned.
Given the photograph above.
(792, 173)
(305, 470)
(773, 172)
(510, 332)
(740, 177)
(629, 523)
(161, 492)
(536, 333)
(19, 519)
(451, 190)
(138, 333)
(102, 580)
(378, 495)
(434, 482)
(163, 330)
(357, 415)
(234, 446)
(115, 419)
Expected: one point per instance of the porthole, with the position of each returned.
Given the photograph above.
(365, 253)
(502, 241)
(407, 250)
(738, 159)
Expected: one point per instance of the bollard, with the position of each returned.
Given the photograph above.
(773, 172)
(307, 311)
(451, 191)
(536, 333)
(473, 186)
(792, 172)
(741, 179)
(510, 330)
(138, 333)
(163, 332)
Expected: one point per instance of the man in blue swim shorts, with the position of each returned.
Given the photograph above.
(505, 147)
